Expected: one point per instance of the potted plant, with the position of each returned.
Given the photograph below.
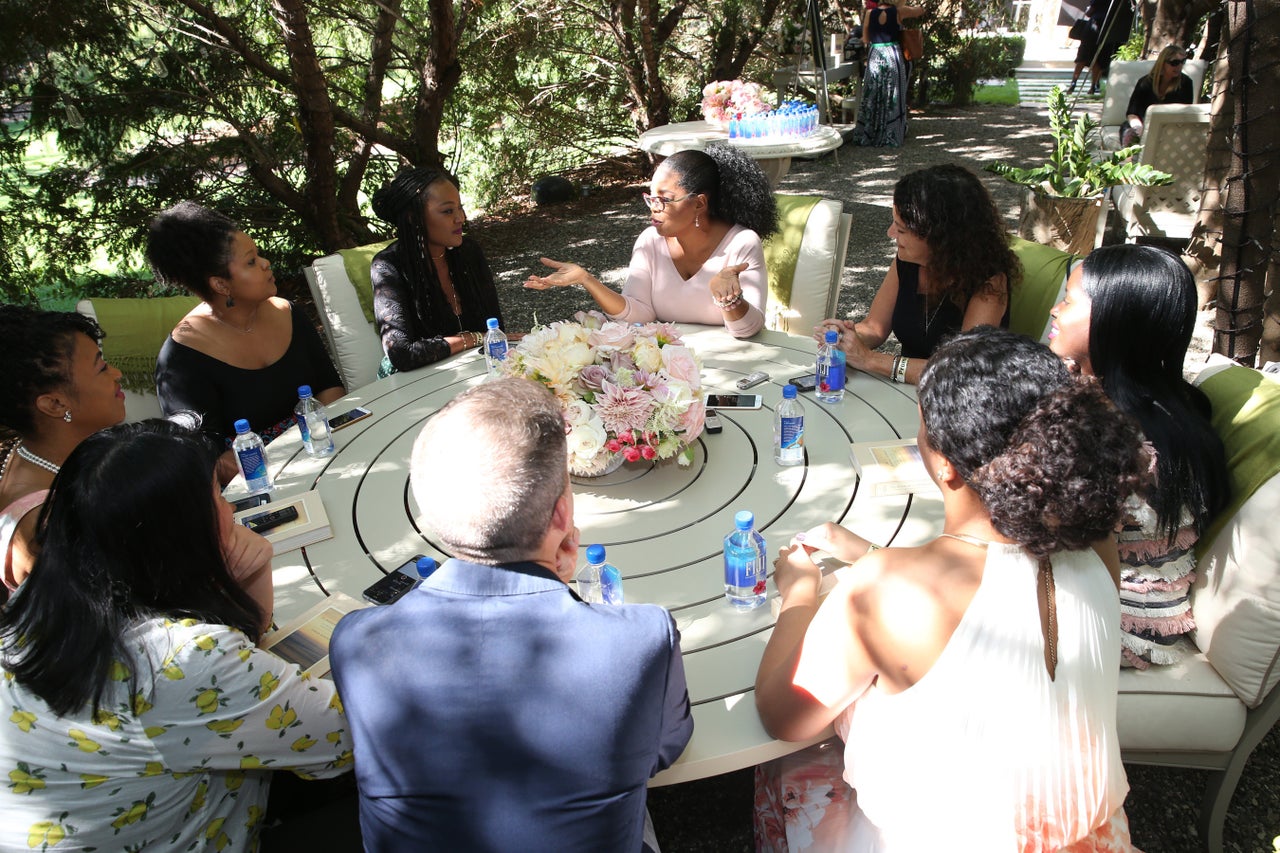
(1065, 195)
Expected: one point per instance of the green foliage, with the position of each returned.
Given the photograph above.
(963, 47)
(1072, 171)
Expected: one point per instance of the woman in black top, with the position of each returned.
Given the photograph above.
(432, 288)
(1166, 84)
(954, 270)
(243, 351)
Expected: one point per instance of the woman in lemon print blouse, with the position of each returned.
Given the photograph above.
(135, 709)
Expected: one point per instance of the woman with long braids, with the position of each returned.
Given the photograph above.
(432, 288)
(701, 260)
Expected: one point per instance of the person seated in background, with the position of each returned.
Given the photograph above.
(973, 678)
(701, 259)
(1127, 318)
(953, 270)
(432, 288)
(139, 714)
(242, 352)
(1166, 84)
(58, 390)
(491, 708)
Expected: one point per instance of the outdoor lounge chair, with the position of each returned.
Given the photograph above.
(1175, 140)
(1121, 79)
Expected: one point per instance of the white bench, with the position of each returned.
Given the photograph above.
(1175, 140)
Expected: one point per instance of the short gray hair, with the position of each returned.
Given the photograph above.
(488, 468)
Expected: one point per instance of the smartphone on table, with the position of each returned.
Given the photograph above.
(271, 519)
(733, 401)
(392, 587)
(807, 382)
(250, 502)
(347, 418)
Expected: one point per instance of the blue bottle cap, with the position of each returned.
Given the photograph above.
(492, 322)
(788, 392)
(744, 520)
(595, 554)
(426, 566)
(304, 390)
(832, 336)
(242, 426)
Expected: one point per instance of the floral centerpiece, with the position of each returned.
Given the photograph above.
(629, 392)
(727, 99)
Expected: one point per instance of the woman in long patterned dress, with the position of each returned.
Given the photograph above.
(882, 115)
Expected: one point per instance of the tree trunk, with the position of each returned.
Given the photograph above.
(315, 118)
(1253, 184)
(1171, 22)
(1203, 254)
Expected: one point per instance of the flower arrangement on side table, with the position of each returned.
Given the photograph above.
(727, 99)
(629, 392)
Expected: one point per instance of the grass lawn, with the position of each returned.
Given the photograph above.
(1005, 93)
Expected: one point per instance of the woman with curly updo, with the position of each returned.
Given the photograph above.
(1127, 318)
(58, 391)
(973, 678)
(954, 270)
(700, 260)
(243, 351)
(432, 288)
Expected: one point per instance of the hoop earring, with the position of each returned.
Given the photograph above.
(66, 416)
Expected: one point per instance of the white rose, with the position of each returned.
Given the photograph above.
(586, 440)
(648, 355)
(578, 412)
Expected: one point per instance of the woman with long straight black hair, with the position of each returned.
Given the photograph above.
(139, 712)
(1127, 318)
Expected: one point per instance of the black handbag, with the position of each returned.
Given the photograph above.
(1080, 29)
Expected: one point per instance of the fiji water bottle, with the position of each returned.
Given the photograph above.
(313, 423)
(599, 582)
(744, 564)
(251, 456)
(788, 429)
(830, 369)
(495, 346)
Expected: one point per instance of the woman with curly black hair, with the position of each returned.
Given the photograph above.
(973, 678)
(701, 259)
(58, 391)
(432, 288)
(954, 270)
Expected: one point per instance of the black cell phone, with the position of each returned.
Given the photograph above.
(393, 586)
(251, 501)
(807, 382)
(712, 423)
(733, 401)
(348, 418)
(265, 521)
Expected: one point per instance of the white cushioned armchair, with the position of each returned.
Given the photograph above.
(1212, 710)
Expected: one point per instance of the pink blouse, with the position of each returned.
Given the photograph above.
(655, 290)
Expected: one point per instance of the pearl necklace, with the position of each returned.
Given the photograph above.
(38, 461)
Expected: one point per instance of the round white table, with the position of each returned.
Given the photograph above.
(774, 156)
(663, 525)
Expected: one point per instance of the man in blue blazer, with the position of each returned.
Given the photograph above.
(491, 708)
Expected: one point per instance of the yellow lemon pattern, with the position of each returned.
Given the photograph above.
(24, 779)
(24, 720)
(195, 719)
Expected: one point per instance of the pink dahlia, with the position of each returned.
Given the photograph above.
(622, 409)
